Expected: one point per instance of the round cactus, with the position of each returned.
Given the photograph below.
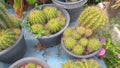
(94, 44)
(50, 12)
(6, 39)
(36, 17)
(46, 33)
(88, 32)
(78, 50)
(83, 42)
(30, 65)
(93, 17)
(76, 35)
(69, 42)
(68, 64)
(68, 32)
(80, 30)
(53, 25)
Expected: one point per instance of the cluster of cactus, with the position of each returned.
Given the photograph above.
(91, 63)
(93, 17)
(31, 65)
(49, 20)
(79, 40)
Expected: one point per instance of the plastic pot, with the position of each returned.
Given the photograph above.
(18, 63)
(14, 52)
(73, 8)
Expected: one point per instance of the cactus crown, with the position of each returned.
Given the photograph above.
(30, 65)
(93, 17)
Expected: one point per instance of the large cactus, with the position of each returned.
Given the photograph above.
(93, 17)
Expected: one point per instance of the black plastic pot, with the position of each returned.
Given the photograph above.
(14, 52)
(73, 8)
(54, 39)
(18, 63)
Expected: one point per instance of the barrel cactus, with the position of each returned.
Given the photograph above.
(53, 25)
(30, 65)
(36, 17)
(88, 32)
(68, 64)
(50, 12)
(83, 42)
(94, 44)
(68, 32)
(6, 39)
(78, 50)
(93, 17)
(76, 35)
(69, 42)
(80, 30)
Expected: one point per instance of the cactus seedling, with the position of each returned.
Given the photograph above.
(80, 30)
(67, 32)
(78, 50)
(36, 17)
(83, 42)
(88, 32)
(69, 42)
(76, 35)
(50, 12)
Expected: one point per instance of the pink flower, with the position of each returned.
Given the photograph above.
(102, 52)
(119, 56)
(103, 40)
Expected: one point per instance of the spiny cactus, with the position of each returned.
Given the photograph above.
(17, 32)
(83, 42)
(93, 17)
(68, 32)
(36, 17)
(69, 42)
(75, 35)
(50, 12)
(68, 64)
(6, 39)
(94, 44)
(88, 32)
(53, 25)
(78, 50)
(46, 33)
(80, 30)
(72, 0)
(30, 65)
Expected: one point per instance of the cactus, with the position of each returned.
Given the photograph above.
(46, 33)
(76, 35)
(68, 32)
(36, 17)
(78, 50)
(83, 42)
(69, 42)
(93, 17)
(6, 39)
(30, 65)
(16, 31)
(88, 32)
(72, 0)
(68, 64)
(50, 12)
(53, 25)
(80, 30)
(94, 44)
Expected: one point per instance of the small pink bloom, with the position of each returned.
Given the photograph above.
(103, 40)
(119, 56)
(102, 52)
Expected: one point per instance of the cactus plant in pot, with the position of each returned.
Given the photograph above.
(30, 62)
(47, 23)
(12, 42)
(74, 7)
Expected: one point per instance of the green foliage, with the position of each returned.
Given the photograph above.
(78, 50)
(93, 17)
(50, 12)
(30, 65)
(17, 3)
(6, 39)
(36, 17)
(31, 2)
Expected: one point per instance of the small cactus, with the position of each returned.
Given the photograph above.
(50, 12)
(53, 25)
(6, 39)
(76, 35)
(88, 32)
(94, 44)
(68, 32)
(93, 17)
(30, 65)
(36, 17)
(68, 64)
(80, 30)
(78, 50)
(83, 42)
(69, 42)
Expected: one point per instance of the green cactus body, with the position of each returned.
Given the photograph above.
(93, 17)
(68, 64)
(6, 39)
(79, 64)
(50, 12)
(68, 32)
(72, 0)
(80, 30)
(46, 33)
(88, 32)
(94, 44)
(36, 17)
(83, 42)
(76, 35)
(78, 50)
(53, 25)
(69, 42)
(30, 65)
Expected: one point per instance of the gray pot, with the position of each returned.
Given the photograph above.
(79, 56)
(18, 63)
(73, 8)
(14, 52)
(54, 39)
